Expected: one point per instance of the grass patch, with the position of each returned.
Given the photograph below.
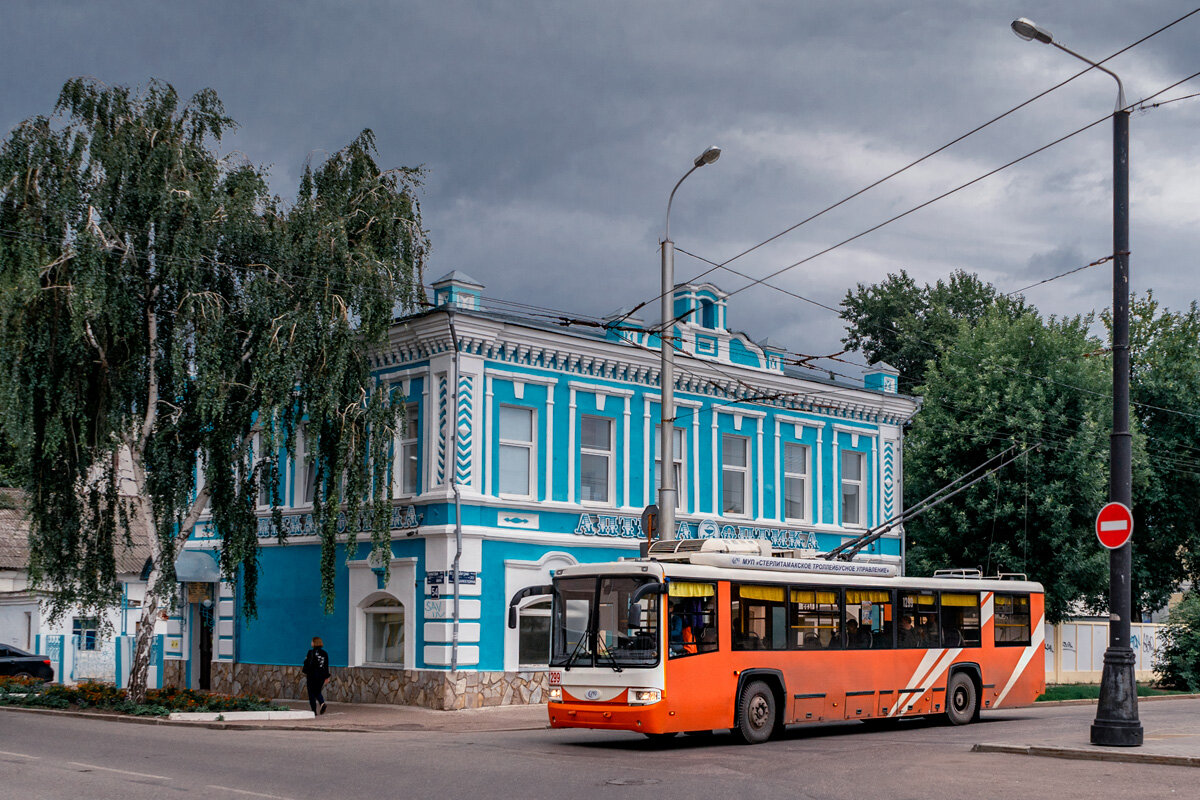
(1087, 691)
(104, 697)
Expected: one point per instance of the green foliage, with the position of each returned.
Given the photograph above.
(985, 393)
(102, 696)
(1164, 387)
(1178, 659)
(1091, 691)
(155, 300)
(907, 326)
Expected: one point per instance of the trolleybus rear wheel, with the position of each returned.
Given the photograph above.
(756, 713)
(961, 699)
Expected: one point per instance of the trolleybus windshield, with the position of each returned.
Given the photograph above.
(596, 626)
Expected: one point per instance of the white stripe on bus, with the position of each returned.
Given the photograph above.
(926, 675)
(1035, 647)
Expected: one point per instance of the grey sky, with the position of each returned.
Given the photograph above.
(553, 133)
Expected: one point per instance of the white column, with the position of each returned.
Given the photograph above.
(836, 467)
(626, 500)
(694, 506)
(647, 451)
(759, 438)
(715, 499)
(820, 451)
(487, 439)
(778, 470)
(548, 456)
(571, 451)
(877, 488)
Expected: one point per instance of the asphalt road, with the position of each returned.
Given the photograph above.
(45, 757)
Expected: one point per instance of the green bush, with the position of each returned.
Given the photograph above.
(159, 702)
(1178, 661)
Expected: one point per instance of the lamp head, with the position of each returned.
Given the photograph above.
(708, 156)
(1030, 31)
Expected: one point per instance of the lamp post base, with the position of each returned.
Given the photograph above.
(1117, 723)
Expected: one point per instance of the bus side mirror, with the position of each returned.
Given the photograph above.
(528, 591)
(635, 609)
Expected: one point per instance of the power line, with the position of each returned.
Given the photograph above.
(926, 156)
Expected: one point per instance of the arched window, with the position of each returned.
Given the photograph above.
(385, 632)
(533, 635)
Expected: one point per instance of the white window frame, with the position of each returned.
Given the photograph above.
(368, 610)
(531, 446)
(805, 500)
(728, 469)
(860, 483)
(680, 456)
(402, 445)
(302, 469)
(256, 459)
(610, 454)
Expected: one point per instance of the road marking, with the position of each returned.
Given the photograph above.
(18, 755)
(243, 791)
(121, 771)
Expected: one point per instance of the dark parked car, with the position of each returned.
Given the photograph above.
(17, 662)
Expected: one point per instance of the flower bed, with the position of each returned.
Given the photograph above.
(34, 693)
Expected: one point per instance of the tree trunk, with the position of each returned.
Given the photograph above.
(143, 642)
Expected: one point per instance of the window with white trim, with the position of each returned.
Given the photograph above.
(259, 456)
(518, 454)
(406, 469)
(385, 632)
(795, 481)
(596, 460)
(735, 474)
(854, 494)
(679, 455)
(305, 469)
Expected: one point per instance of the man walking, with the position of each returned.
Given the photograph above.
(316, 671)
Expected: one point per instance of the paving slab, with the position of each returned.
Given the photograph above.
(1167, 739)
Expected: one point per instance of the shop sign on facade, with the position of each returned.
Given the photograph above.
(631, 528)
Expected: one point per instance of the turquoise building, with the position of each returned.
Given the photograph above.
(527, 447)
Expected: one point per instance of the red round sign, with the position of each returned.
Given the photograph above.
(1114, 525)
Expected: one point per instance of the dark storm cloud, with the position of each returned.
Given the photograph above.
(553, 133)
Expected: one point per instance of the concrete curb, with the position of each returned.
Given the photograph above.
(440, 726)
(238, 716)
(1087, 754)
(1091, 701)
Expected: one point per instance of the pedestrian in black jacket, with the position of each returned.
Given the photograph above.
(316, 671)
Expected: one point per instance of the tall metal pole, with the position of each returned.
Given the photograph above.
(667, 489)
(1117, 722)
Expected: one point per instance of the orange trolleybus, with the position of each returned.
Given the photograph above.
(710, 634)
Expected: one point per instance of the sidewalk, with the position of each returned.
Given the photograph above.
(358, 717)
(1172, 739)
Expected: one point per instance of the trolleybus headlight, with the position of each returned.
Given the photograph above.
(644, 696)
(555, 694)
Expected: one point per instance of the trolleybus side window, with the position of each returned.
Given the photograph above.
(692, 624)
(759, 617)
(816, 618)
(918, 620)
(1012, 620)
(869, 619)
(960, 619)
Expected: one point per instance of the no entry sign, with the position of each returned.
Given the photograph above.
(1114, 525)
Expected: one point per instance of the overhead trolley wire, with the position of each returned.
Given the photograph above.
(923, 158)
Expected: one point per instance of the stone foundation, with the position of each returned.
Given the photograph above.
(429, 688)
(174, 673)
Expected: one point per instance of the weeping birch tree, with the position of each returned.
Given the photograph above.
(164, 318)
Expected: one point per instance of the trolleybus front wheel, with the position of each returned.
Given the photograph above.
(961, 699)
(756, 713)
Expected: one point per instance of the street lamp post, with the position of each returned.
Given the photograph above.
(1116, 722)
(667, 488)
